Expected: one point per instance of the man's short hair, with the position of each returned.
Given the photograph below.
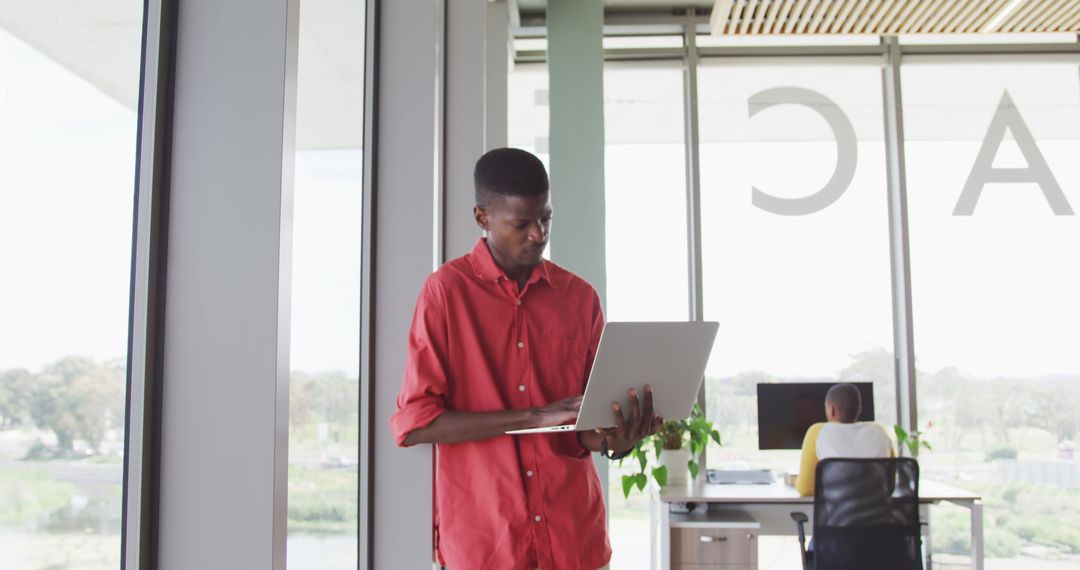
(847, 400)
(508, 172)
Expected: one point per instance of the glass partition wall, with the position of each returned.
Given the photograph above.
(796, 264)
(68, 122)
(324, 388)
(993, 187)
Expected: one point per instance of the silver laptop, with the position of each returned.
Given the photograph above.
(669, 356)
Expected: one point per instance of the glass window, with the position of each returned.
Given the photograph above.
(528, 116)
(325, 387)
(68, 122)
(527, 109)
(795, 240)
(795, 246)
(646, 244)
(992, 181)
(645, 192)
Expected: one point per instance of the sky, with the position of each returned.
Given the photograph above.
(67, 168)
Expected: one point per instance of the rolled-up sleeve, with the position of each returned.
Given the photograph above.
(425, 385)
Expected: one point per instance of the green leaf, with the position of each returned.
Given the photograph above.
(693, 469)
(901, 435)
(627, 484)
(641, 479)
(658, 444)
(660, 474)
(643, 460)
(715, 435)
(926, 444)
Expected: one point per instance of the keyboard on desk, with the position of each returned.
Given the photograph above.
(739, 476)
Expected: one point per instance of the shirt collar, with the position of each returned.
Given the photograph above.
(485, 268)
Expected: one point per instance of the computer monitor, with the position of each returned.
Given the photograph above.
(786, 411)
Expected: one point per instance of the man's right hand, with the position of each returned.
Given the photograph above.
(558, 413)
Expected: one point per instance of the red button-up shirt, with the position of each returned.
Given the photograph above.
(478, 343)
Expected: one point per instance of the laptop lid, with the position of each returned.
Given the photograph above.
(671, 356)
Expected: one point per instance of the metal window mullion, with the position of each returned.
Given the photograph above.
(366, 474)
(903, 337)
(142, 433)
(693, 185)
(438, 254)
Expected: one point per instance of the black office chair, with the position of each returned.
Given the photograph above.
(866, 515)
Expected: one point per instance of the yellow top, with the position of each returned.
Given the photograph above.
(842, 440)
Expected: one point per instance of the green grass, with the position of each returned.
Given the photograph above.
(26, 493)
(322, 501)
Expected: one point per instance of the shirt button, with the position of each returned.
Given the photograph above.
(521, 388)
(521, 344)
(519, 302)
(529, 473)
(536, 518)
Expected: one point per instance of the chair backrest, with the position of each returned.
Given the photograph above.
(866, 514)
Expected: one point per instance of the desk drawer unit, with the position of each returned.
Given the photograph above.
(727, 548)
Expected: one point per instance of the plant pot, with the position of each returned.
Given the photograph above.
(675, 460)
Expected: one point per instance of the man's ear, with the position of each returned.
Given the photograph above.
(481, 217)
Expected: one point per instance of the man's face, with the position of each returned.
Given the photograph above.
(518, 229)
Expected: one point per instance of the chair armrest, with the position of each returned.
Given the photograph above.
(799, 518)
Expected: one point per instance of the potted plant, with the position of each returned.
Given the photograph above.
(676, 447)
(912, 440)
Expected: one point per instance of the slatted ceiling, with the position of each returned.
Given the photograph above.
(1045, 12)
(770, 18)
(864, 17)
(793, 16)
(914, 10)
(891, 17)
(1070, 21)
(908, 7)
(967, 15)
(947, 18)
(781, 18)
(921, 14)
(805, 15)
(1028, 14)
(937, 10)
(885, 14)
(747, 16)
(842, 15)
(1061, 11)
(761, 17)
(824, 15)
(986, 14)
(1023, 15)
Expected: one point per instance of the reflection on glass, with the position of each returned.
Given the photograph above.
(795, 241)
(67, 138)
(324, 391)
(994, 300)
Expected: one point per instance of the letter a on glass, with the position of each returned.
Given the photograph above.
(1037, 171)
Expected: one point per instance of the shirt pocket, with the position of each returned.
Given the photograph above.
(560, 363)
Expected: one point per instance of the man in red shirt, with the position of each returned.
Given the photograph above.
(501, 340)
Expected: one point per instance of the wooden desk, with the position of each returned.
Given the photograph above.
(772, 505)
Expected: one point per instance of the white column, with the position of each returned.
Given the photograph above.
(576, 131)
(407, 196)
(477, 57)
(226, 332)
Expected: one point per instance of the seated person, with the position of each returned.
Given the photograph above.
(841, 436)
